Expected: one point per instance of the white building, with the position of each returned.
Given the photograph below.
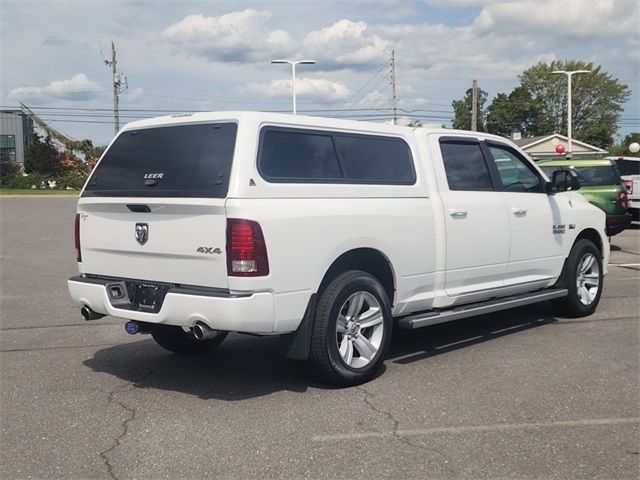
(544, 147)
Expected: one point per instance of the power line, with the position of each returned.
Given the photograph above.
(375, 74)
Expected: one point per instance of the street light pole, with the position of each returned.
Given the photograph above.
(569, 74)
(293, 64)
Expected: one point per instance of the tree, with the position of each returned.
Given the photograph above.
(462, 110)
(514, 112)
(622, 148)
(540, 105)
(41, 156)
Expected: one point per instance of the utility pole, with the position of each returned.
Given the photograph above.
(119, 86)
(474, 106)
(116, 110)
(394, 98)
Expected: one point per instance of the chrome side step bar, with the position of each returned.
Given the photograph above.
(480, 308)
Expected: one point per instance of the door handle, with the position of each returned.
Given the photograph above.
(458, 212)
(519, 210)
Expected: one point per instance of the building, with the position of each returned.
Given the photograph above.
(16, 129)
(544, 147)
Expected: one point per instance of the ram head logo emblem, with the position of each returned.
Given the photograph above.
(142, 233)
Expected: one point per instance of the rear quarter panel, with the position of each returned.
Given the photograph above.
(307, 226)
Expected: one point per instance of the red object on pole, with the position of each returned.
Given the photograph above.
(560, 149)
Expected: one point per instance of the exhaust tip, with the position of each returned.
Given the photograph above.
(198, 331)
(89, 314)
(202, 331)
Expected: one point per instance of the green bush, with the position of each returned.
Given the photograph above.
(42, 181)
(9, 169)
(41, 156)
(71, 181)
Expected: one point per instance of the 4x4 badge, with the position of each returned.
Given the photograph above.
(142, 233)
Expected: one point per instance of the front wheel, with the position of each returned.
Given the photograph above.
(177, 340)
(352, 329)
(583, 278)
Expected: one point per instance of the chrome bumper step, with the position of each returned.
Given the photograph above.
(480, 308)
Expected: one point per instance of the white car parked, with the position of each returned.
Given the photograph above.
(324, 231)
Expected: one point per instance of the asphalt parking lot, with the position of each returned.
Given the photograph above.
(519, 394)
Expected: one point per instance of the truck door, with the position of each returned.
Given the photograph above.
(476, 219)
(538, 229)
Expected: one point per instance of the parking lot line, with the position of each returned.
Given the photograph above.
(480, 428)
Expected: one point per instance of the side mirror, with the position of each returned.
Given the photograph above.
(563, 181)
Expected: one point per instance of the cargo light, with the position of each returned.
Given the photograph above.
(246, 249)
(77, 238)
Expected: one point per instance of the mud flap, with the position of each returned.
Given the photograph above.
(296, 345)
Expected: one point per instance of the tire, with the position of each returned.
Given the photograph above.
(176, 340)
(582, 277)
(352, 329)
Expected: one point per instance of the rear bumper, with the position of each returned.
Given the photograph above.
(221, 310)
(617, 223)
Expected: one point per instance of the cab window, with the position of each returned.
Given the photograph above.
(515, 172)
(465, 166)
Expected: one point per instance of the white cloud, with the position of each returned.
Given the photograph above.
(78, 87)
(234, 37)
(309, 88)
(561, 17)
(346, 44)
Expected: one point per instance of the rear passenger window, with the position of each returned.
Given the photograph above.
(294, 155)
(297, 155)
(378, 159)
(465, 166)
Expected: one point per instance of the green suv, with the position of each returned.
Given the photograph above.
(601, 185)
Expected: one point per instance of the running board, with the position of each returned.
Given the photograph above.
(480, 308)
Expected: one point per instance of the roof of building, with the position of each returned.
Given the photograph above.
(525, 143)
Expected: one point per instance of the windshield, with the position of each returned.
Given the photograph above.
(589, 176)
(172, 161)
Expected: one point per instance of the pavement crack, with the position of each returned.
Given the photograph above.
(124, 425)
(368, 397)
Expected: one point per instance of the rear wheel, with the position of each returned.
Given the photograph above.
(177, 340)
(352, 329)
(583, 277)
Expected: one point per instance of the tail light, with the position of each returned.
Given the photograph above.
(246, 249)
(622, 199)
(629, 184)
(77, 238)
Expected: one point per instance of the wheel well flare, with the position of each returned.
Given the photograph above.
(367, 260)
(593, 236)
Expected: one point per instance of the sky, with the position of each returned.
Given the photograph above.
(182, 56)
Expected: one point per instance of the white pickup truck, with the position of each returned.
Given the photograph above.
(324, 231)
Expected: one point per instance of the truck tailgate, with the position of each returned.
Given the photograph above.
(173, 240)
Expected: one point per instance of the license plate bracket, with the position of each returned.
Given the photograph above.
(137, 295)
(148, 296)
